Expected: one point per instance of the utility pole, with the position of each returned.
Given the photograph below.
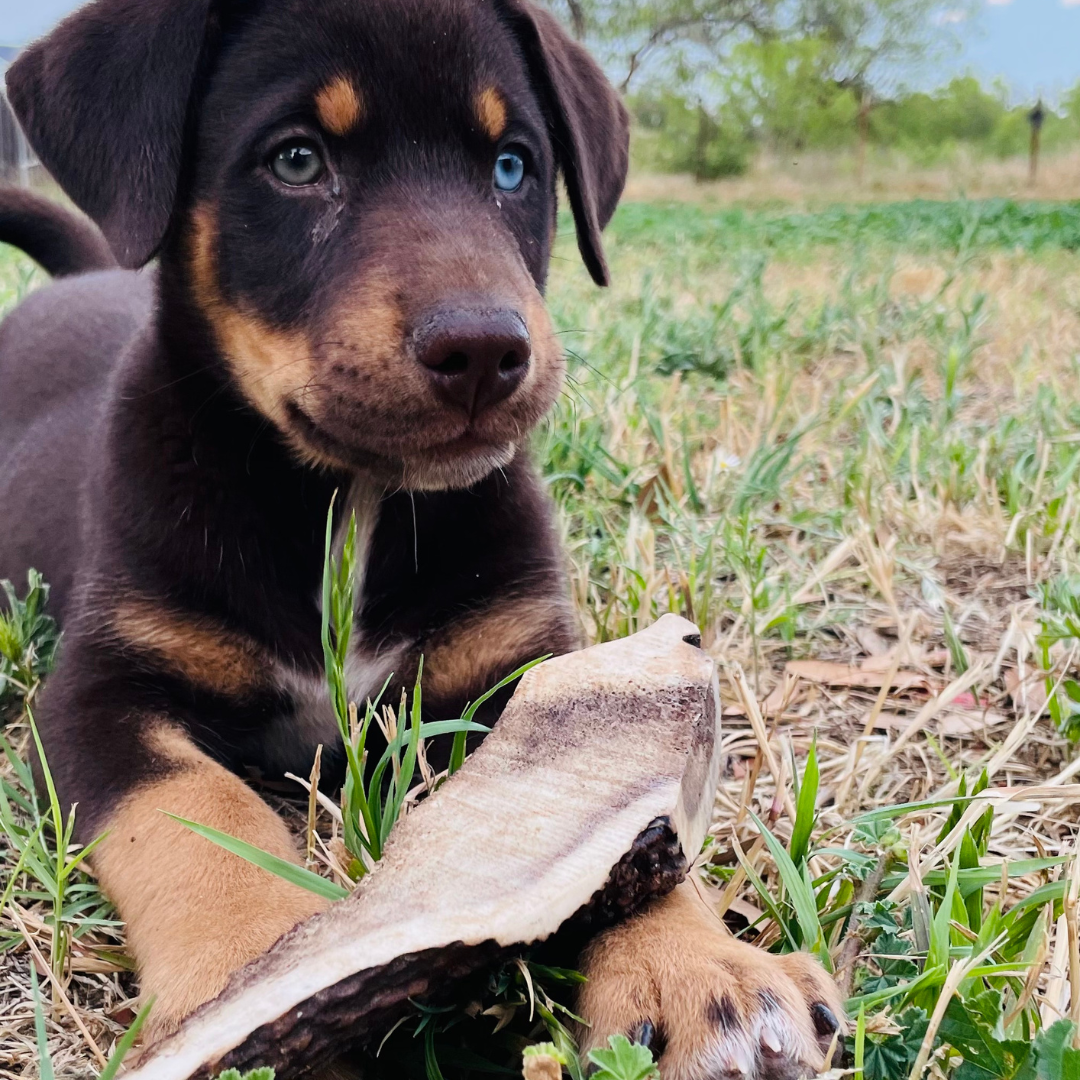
(1035, 119)
(865, 104)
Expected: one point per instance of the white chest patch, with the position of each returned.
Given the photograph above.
(289, 741)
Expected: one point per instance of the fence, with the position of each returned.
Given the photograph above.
(18, 165)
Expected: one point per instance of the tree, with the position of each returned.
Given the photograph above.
(631, 35)
(873, 42)
(877, 44)
(783, 91)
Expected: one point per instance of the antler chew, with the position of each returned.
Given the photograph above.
(587, 799)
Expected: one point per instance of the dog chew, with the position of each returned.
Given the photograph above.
(587, 799)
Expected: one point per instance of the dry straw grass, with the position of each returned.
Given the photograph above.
(822, 179)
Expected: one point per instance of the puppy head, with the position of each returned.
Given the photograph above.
(355, 200)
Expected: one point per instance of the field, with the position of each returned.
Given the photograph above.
(845, 440)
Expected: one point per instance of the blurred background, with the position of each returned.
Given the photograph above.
(872, 95)
(804, 99)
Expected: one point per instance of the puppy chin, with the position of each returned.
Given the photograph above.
(446, 468)
(455, 472)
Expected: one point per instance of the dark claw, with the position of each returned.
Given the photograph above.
(644, 1033)
(648, 1034)
(825, 1022)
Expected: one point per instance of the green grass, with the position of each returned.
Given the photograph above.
(848, 435)
(797, 427)
(845, 404)
(917, 225)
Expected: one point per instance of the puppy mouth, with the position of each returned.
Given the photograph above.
(457, 462)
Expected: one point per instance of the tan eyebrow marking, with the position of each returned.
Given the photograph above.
(339, 106)
(491, 112)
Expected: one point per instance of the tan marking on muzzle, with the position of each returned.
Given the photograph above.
(491, 112)
(271, 367)
(339, 106)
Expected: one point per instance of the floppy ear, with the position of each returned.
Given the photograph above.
(104, 100)
(590, 124)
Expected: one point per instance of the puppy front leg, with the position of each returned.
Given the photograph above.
(194, 912)
(712, 1007)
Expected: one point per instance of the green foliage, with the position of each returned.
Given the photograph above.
(742, 329)
(987, 1027)
(624, 1060)
(1055, 1056)
(984, 1048)
(265, 1073)
(676, 135)
(926, 126)
(545, 1050)
(793, 94)
(40, 838)
(1059, 626)
(712, 238)
(28, 641)
(775, 93)
(892, 1057)
(282, 868)
(783, 91)
(45, 1066)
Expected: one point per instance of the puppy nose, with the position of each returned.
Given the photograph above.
(475, 359)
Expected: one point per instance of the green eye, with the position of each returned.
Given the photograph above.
(297, 163)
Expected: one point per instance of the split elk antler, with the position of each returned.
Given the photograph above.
(588, 798)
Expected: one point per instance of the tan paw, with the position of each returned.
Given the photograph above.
(711, 1007)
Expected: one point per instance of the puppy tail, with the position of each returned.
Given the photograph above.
(60, 240)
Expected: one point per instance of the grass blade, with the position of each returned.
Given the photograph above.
(457, 754)
(805, 807)
(45, 1067)
(127, 1040)
(287, 871)
(766, 897)
(800, 891)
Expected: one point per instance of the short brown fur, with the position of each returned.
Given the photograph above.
(210, 656)
(491, 112)
(484, 646)
(195, 913)
(270, 365)
(340, 107)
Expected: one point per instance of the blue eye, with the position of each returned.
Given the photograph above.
(509, 171)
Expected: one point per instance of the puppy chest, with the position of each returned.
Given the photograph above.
(307, 718)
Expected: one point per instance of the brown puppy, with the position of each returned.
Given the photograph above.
(352, 207)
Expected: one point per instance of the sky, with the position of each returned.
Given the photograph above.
(1034, 45)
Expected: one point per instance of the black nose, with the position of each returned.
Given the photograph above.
(475, 358)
